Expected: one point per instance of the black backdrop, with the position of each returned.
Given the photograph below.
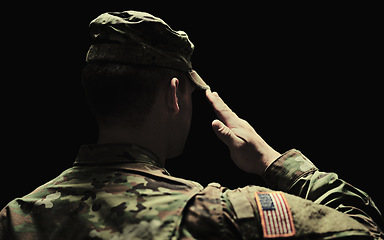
(305, 76)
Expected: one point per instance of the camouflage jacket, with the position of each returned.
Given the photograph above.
(122, 192)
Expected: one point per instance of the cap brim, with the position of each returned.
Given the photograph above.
(195, 77)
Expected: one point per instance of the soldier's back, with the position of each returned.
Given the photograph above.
(122, 192)
(126, 201)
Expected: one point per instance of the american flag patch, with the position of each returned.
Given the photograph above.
(275, 214)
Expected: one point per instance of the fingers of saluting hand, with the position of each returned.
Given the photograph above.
(223, 112)
(248, 150)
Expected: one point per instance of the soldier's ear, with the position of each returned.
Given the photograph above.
(173, 102)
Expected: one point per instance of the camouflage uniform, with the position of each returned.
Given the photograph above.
(122, 192)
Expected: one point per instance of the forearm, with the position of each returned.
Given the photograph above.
(295, 174)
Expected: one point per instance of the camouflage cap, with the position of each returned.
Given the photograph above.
(141, 38)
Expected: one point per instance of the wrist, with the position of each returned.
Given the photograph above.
(266, 160)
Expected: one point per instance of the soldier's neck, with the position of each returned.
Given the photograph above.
(149, 138)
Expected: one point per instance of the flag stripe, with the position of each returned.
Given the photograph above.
(287, 213)
(275, 214)
(282, 227)
(283, 216)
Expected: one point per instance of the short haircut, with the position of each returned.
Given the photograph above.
(117, 91)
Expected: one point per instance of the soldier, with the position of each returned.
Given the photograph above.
(138, 81)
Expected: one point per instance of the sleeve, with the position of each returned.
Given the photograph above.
(207, 217)
(293, 173)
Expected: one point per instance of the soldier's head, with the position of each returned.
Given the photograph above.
(126, 93)
(139, 68)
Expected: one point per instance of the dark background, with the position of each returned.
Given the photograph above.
(305, 77)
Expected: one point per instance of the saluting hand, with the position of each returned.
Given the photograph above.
(248, 150)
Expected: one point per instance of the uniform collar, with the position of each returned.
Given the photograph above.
(105, 154)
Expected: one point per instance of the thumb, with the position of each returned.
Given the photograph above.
(223, 132)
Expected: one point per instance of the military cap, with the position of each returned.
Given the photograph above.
(133, 37)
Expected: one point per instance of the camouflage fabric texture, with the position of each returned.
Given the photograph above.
(122, 192)
(147, 39)
(133, 37)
